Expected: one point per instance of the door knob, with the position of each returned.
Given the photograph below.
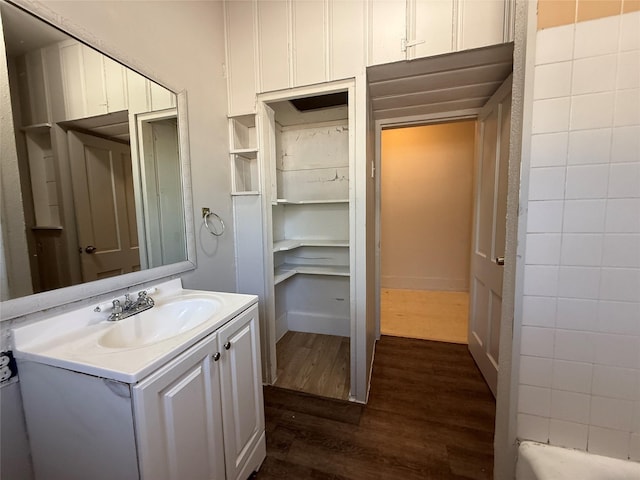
(227, 345)
(216, 356)
(90, 249)
(500, 260)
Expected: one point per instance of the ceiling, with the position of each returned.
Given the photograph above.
(445, 83)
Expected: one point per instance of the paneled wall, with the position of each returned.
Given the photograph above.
(426, 199)
(580, 349)
(277, 44)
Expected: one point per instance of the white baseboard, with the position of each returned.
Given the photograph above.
(425, 283)
(316, 323)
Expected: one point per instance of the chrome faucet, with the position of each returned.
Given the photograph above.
(142, 303)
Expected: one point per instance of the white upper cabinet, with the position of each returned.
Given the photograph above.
(431, 28)
(89, 80)
(346, 39)
(93, 84)
(309, 42)
(273, 46)
(387, 30)
(482, 23)
(278, 44)
(241, 66)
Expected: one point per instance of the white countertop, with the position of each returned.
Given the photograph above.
(72, 340)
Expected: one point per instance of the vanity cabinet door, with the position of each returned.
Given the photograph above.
(241, 388)
(178, 418)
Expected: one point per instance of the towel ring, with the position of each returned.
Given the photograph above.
(208, 227)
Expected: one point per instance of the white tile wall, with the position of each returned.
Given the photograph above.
(539, 311)
(589, 146)
(572, 376)
(553, 80)
(546, 216)
(547, 183)
(624, 180)
(584, 216)
(581, 249)
(625, 144)
(587, 181)
(568, 434)
(623, 215)
(549, 149)
(570, 406)
(543, 249)
(594, 110)
(605, 441)
(580, 350)
(536, 371)
(592, 74)
(577, 314)
(627, 111)
(596, 37)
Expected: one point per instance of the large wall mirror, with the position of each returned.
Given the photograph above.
(95, 192)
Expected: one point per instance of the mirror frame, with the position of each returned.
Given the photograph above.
(37, 302)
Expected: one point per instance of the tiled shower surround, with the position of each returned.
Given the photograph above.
(580, 350)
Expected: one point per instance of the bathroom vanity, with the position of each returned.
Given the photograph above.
(171, 393)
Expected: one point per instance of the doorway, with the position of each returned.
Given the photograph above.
(474, 85)
(426, 212)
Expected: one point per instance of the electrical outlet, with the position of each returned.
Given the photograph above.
(8, 367)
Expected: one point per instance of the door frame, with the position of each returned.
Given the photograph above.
(506, 398)
(357, 345)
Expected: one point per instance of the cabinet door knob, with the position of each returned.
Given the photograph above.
(227, 345)
(216, 356)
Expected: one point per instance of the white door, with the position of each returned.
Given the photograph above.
(178, 418)
(102, 184)
(488, 242)
(241, 389)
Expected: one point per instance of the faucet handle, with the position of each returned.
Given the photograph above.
(117, 308)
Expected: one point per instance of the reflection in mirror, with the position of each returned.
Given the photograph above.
(91, 176)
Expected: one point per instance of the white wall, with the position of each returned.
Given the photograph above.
(427, 174)
(181, 45)
(580, 345)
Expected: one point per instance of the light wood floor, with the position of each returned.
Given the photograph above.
(312, 363)
(427, 315)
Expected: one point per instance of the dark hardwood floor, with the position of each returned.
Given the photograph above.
(430, 416)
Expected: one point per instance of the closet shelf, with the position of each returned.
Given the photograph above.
(285, 245)
(284, 201)
(287, 270)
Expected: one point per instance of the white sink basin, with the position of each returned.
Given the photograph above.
(84, 341)
(160, 322)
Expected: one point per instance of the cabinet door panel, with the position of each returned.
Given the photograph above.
(273, 31)
(309, 55)
(482, 23)
(116, 85)
(241, 389)
(94, 85)
(178, 418)
(240, 56)
(386, 31)
(347, 38)
(434, 25)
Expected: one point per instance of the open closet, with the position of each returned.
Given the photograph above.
(306, 145)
